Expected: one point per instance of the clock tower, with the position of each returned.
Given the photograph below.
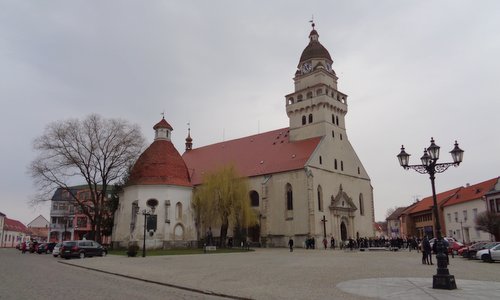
(316, 108)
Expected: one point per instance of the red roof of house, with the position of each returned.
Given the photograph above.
(427, 203)
(14, 225)
(160, 163)
(472, 192)
(265, 153)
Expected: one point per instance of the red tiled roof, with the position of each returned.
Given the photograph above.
(161, 163)
(427, 203)
(265, 153)
(472, 192)
(162, 124)
(14, 225)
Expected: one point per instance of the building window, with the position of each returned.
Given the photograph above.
(289, 197)
(309, 95)
(449, 218)
(178, 211)
(167, 208)
(361, 205)
(320, 160)
(341, 136)
(359, 171)
(310, 118)
(135, 210)
(320, 198)
(333, 134)
(319, 92)
(254, 199)
(341, 165)
(290, 100)
(498, 204)
(299, 98)
(474, 213)
(465, 215)
(335, 164)
(304, 120)
(333, 119)
(337, 120)
(456, 216)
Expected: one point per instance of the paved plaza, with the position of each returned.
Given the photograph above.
(305, 274)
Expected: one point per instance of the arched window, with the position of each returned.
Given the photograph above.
(254, 199)
(135, 211)
(289, 197)
(335, 164)
(304, 120)
(361, 205)
(310, 118)
(178, 211)
(290, 100)
(320, 198)
(309, 95)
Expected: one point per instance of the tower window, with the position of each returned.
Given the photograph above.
(290, 100)
(361, 205)
(310, 118)
(335, 164)
(359, 171)
(337, 120)
(320, 160)
(333, 134)
(341, 165)
(333, 119)
(309, 95)
(341, 136)
(319, 92)
(304, 120)
(299, 98)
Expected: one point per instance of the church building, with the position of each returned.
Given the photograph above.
(306, 180)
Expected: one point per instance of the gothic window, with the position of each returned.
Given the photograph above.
(289, 197)
(304, 120)
(309, 95)
(310, 118)
(254, 199)
(320, 160)
(167, 208)
(135, 210)
(320, 198)
(178, 211)
(361, 205)
(335, 164)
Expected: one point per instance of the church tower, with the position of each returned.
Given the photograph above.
(316, 108)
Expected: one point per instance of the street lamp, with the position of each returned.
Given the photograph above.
(443, 279)
(146, 214)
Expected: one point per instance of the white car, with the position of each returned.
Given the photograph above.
(490, 254)
(55, 251)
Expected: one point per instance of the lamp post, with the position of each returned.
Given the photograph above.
(146, 214)
(443, 279)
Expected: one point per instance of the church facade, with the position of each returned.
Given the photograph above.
(306, 180)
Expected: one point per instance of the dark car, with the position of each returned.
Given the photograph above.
(50, 247)
(81, 249)
(41, 248)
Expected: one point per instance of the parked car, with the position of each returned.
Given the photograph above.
(55, 251)
(50, 247)
(490, 253)
(41, 248)
(81, 249)
(471, 250)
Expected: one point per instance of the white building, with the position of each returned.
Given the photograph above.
(460, 212)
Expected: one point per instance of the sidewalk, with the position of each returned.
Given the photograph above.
(306, 274)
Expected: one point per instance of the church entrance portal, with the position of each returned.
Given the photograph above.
(343, 231)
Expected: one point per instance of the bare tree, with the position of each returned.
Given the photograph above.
(489, 222)
(95, 150)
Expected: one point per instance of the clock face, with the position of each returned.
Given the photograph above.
(306, 67)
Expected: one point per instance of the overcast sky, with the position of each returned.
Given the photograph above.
(412, 70)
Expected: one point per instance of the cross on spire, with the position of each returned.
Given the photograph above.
(312, 21)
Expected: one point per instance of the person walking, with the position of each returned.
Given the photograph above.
(428, 250)
(332, 243)
(290, 244)
(325, 243)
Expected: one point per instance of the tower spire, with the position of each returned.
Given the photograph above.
(189, 140)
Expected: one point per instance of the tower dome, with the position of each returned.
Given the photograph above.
(314, 49)
(160, 163)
